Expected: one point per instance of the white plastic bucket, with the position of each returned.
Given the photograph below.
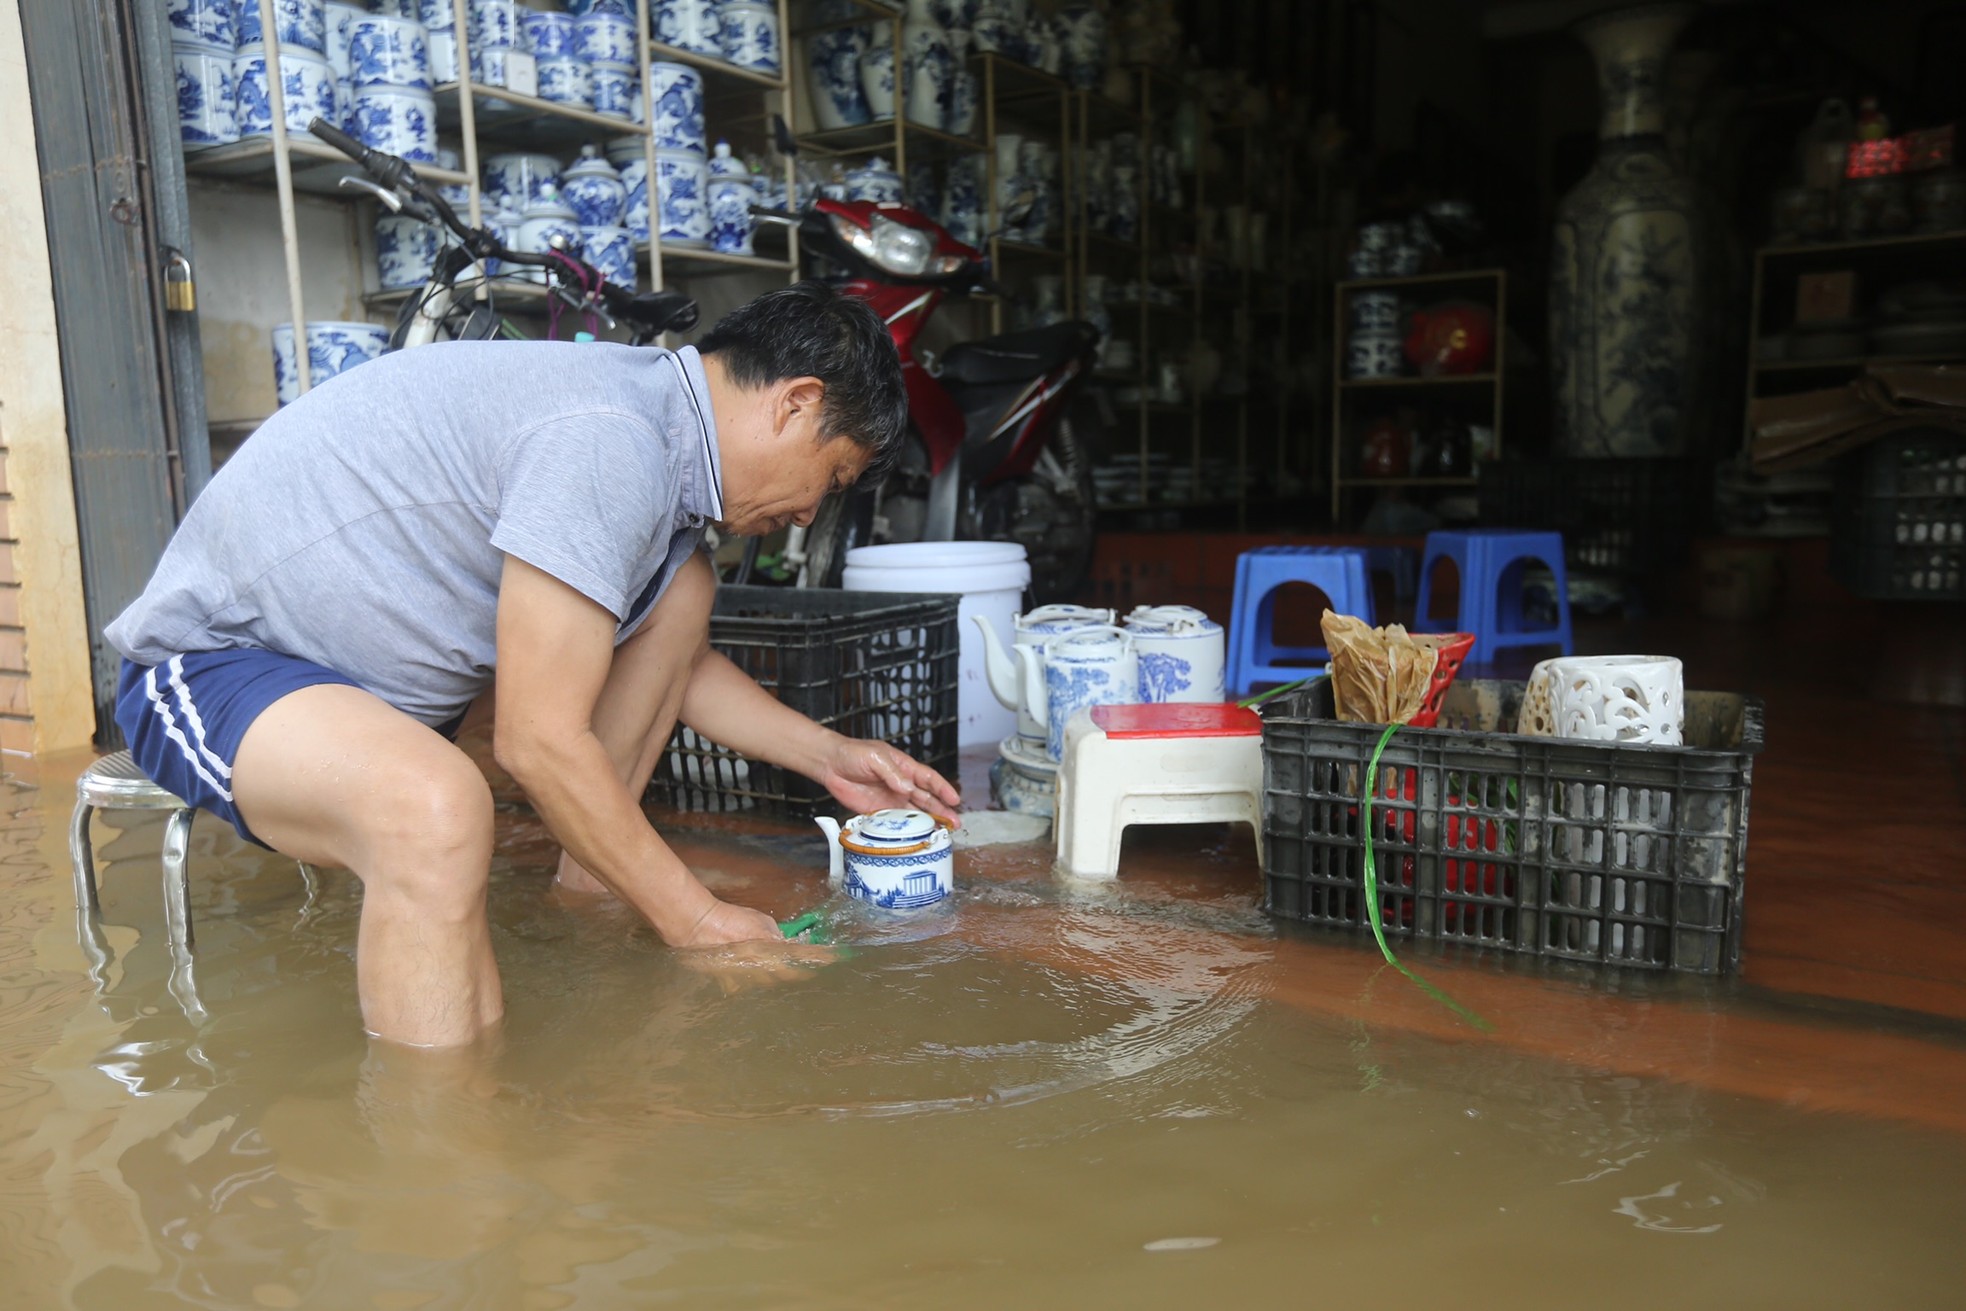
(991, 576)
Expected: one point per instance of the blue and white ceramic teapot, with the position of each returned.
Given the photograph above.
(1086, 667)
(1006, 672)
(894, 859)
(1183, 653)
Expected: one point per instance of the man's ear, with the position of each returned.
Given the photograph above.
(800, 396)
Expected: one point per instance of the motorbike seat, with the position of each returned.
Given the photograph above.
(1016, 356)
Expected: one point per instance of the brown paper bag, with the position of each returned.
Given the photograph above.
(1378, 675)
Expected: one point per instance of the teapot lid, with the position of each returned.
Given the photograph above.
(895, 826)
(591, 163)
(1166, 617)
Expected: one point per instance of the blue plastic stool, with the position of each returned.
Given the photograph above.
(1337, 571)
(1491, 561)
(1398, 562)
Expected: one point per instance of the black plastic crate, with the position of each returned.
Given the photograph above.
(1617, 516)
(1622, 855)
(867, 664)
(1899, 528)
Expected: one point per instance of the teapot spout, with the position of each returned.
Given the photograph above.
(835, 859)
(999, 670)
(1034, 694)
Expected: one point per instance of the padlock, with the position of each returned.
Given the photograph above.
(180, 292)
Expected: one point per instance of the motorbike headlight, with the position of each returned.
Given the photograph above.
(889, 246)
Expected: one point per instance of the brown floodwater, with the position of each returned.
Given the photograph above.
(1137, 1094)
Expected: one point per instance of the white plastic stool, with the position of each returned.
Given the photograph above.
(1160, 764)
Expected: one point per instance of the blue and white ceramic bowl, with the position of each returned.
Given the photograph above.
(594, 191)
(333, 348)
(437, 16)
(614, 87)
(519, 176)
(398, 120)
(682, 202)
(675, 93)
(749, 35)
(612, 251)
(833, 60)
(204, 22)
(690, 25)
(405, 252)
(206, 113)
(495, 25)
(566, 82)
(635, 176)
(303, 24)
(605, 39)
(731, 223)
(549, 34)
(388, 51)
(307, 80)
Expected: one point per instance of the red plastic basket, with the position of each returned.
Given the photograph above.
(1447, 662)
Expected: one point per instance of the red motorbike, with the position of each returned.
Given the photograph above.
(994, 453)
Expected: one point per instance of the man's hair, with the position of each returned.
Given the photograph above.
(810, 330)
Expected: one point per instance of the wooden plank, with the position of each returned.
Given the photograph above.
(13, 650)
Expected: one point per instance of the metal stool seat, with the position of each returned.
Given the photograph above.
(115, 783)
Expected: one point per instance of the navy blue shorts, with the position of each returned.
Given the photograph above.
(184, 720)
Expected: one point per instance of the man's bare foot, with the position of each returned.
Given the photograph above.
(573, 877)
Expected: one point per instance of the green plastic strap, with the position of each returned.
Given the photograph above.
(1372, 894)
(1261, 697)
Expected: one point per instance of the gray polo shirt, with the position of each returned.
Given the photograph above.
(364, 527)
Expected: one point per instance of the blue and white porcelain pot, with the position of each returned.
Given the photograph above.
(675, 94)
(963, 93)
(1375, 311)
(614, 87)
(1083, 668)
(731, 222)
(303, 24)
(604, 39)
(410, 9)
(549, 224)
(682, 200)
(205, 22)
(515, 70)
(332, 348)
(612, 251)
(341, 30)
(505, 221)
(877, 72)
(623, 151)
(874, 181)
(1083, 31)
(1183, 654)
(833, 59)
(1009, 672)
(594, 191)
(723, 164)
(550, 34)
(387, 51)
(520, 176)
(566, 82)
(928, 65)
(495, 25)
(443, 57)
(405, 251)
(456, 194)
(206, 113)
(635, 176)
(307, 81)
(691, 25)
(749, 34)
(397, 120)
(1374, 355)
(893, 859)
(437, 16)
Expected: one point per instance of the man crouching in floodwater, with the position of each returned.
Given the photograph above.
(349, 584)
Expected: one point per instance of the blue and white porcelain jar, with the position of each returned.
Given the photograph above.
(1083, 30)
(963, 93)
(877, 72)
(443, 57)
(724, 164)
(455, 194)
(398, 120)
(566, 82)
(1374, 355)
(623, 151)
(690, 25)
(962, 199)
(437, 16)
(731, 221)
(515, 70)
(635, 176)
(333, 348)
(341, 30)
(833, 60)
(614, 87)
(550, 34)
(303, 24)
(682, 215)
(612, 251)
(495, 25)
(519, 176)
(206, 113)
(594, 191)
(675, 93)
(410, 9)
(748, 32)
(307, 81)
(388, 51)
(874, 181)
(581, 8)
(505, 221)
(927, 66)
(205, 22)
(548, 224)
(604, 39)
(405, 252)
(1375, 311)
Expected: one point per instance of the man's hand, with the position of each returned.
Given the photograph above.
(866, 775)
(724, 923)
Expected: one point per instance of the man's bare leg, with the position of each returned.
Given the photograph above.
(331, 775)
(638, 705)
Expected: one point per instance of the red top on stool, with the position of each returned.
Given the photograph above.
(1178, 719)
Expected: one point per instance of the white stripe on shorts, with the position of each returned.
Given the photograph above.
(223, 770)
(175, 734)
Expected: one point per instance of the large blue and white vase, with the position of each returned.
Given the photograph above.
(964, 89)
(206, 110)
(675, 93)
(612, 251)
(303, 24)
(567, 82)
(682, 202)
(594, 190)
(690, 25)
(520, 177)
(550, 34)
(924, 191)
(405, 251)
(635, 176)
(731, 222)
(1625, 301)
(962, 199)
(749, 34)
(332, 348)
(1082, 29)
(604, 39)
(204, 22)
(927, 66)
(388, 51)
(877, 72)
(548, 224)
(397, 120)
(614, 87)
(307, 81)
(833, 56)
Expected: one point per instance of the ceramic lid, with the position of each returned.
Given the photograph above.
(875, 167)
(1095, 637)
(725, 164)
(549, 205)
(895, 826)
(590, 164)
(1169, 619)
